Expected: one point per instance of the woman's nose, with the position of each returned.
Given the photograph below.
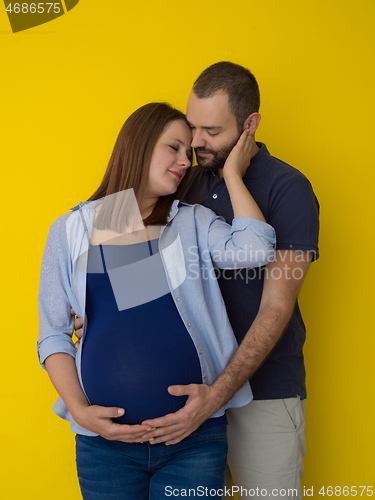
(185, 161)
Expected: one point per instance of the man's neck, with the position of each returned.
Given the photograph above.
(219, 171)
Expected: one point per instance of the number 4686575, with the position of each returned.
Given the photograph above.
(346, 491)
(33, 8)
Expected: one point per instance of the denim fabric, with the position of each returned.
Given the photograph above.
(112, 470)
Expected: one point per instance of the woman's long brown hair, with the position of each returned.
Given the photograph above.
(129, 166)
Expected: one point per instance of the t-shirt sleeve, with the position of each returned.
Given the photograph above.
(294, 213)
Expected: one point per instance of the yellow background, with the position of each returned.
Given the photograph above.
(65, 89)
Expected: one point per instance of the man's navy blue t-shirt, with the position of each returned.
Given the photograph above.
(288, 203)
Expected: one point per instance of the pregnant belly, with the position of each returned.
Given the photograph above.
(131, 368)
(137, 382)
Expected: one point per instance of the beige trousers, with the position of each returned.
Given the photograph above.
(266, 448)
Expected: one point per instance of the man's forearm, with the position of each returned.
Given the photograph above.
(276, 307)
(259, 341)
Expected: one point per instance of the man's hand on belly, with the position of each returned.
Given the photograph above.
(78, 329)
(202, 402)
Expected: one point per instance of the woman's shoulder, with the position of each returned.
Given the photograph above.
(69, 222)
(199, 212)
(62, 220)
(193, 221)
(196, 209)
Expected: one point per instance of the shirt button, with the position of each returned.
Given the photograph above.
(188, 324)
(178, 299)
(171, 271)
(214, 196)
(200, 352)
(205, 379)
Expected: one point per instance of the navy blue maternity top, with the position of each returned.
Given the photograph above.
(136, 343)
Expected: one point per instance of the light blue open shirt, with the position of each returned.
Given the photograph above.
(193, 243)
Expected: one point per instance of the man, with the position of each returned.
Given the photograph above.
(266, 437)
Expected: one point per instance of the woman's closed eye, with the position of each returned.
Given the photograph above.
(189, 153)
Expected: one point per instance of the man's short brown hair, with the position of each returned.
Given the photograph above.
(237, 82)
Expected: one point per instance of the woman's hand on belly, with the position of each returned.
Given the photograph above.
(62, 370)
(98, 419)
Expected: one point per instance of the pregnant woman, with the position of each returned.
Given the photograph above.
(139, 265)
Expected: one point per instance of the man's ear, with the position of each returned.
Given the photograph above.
(252, 121)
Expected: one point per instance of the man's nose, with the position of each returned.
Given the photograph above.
(198, 140)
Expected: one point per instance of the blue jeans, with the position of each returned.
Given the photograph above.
(112, 470)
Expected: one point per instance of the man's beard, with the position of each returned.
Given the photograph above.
(218, 158)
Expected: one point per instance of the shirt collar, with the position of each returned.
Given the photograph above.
(174, 209)
(87, 204)
(258, 163)
(173, 212)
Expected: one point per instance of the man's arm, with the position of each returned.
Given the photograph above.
(283, 279)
